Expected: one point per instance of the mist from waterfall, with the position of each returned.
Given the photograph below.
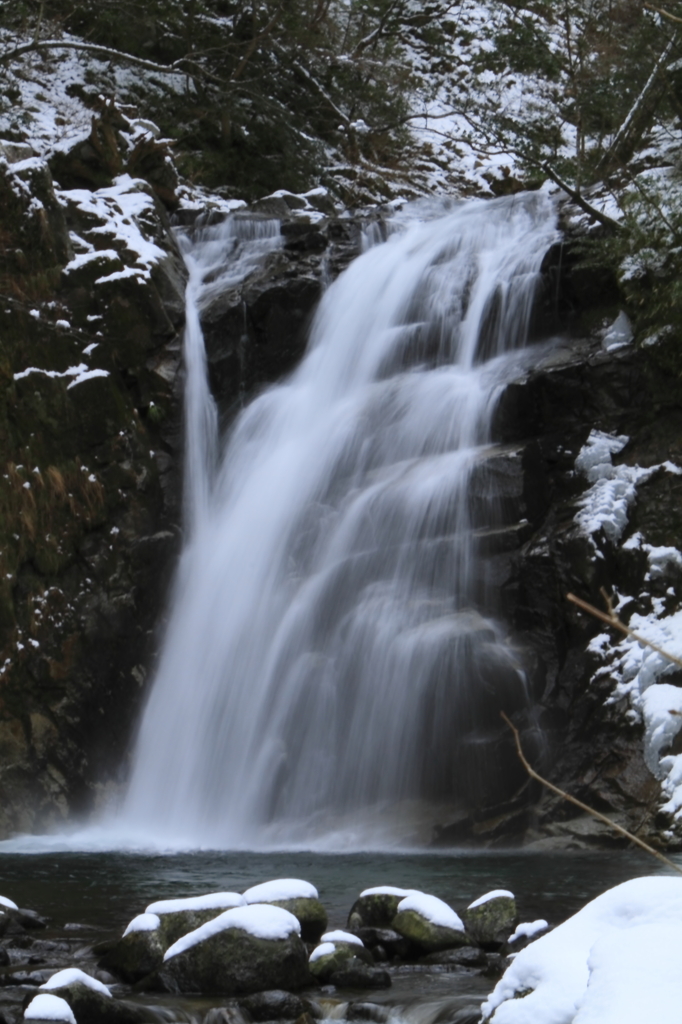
(333, 663)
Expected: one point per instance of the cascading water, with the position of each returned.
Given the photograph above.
(332, 658)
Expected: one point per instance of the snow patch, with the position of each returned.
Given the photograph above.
(341, 936)
(322, 950)
(527, 929)
(4, 902)
(72, 976)
(210, 901)
(493, 895)
(387, 890)
(47, 1007)
(281, 889)
(143, 923)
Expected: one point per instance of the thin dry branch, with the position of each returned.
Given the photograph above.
(663, 14)
(611, 619)
(585, 807)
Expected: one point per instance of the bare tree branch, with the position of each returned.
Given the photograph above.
(663, 14)
(611, 619)
(102, 51)
(585, 807)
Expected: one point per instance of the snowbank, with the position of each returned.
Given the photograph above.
(281, 889)
(611, 963)
(260, 920)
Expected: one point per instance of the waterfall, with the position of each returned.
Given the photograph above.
(333, 658)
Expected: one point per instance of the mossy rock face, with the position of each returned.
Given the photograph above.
(427, 936)
(491, 923)
(91, 1007)
(234, 963)
(180, 922)
(345, 956)
(136, 955)
(374, 911)
(310, 914)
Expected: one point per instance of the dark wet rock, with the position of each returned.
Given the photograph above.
(230, 1014)
(234, 962)
(310, 914)
(91, 1007)
(343, 956)
(367, 1011)
(375, 910)
(496, 966)
(358, 975)
(467, 956)
(275, 1004)
(4, 957)
(491, 923)
(136, 955)
(391, 942)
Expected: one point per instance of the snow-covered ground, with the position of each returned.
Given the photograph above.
(614, 962)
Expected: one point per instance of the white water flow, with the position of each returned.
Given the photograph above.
(332, 662)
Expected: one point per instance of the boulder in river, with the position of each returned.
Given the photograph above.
(242, 951)
(341, 953)
(139, 952)
(275, 1004)
(300, 898)
(178, 917)
(429, 923)
(491, 919)
(376, 907)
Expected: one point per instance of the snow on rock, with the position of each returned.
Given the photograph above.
(433, 910)
(143, 923)
(324, 949)
(281, 889)
(121, 210)
(491, 896)
(616, 954)
(47, 1007)
(387, 890)
(636, 670)
(209, 901)
(341, 936)
(618, 334)
(8, 903)
(260, 920)
(527, 929)
(604, 506)
(79, 373)
(72, 976)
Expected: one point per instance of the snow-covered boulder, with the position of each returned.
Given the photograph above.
(491, 919)
(91, 1001)
(616, 960)
(376, 907)
(338, 951)
(300, 898)
(243, 950)
(139, 951)
(180, 916)
(429, 923)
